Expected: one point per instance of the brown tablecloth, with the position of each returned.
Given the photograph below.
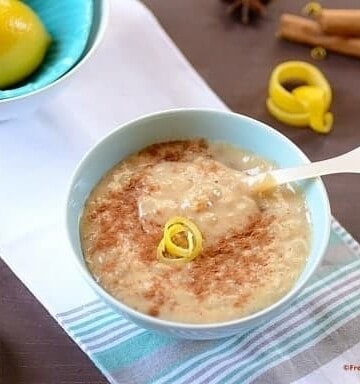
(236, 61)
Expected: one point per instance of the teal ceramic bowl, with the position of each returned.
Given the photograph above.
(69, 24)
(238, 130)
(77, 28)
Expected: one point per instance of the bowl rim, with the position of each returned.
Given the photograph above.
(242, 321)
(105, 11)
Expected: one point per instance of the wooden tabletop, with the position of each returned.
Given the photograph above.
(236, 61)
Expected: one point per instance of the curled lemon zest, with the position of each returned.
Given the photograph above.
(161, 255)
(305, 105)
(171, 253)
(174, 249)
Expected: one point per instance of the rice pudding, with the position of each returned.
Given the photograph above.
(254, 245)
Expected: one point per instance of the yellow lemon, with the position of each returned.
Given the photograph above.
(23, 42)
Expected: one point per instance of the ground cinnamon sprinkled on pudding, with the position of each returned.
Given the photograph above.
(254, 247)
(224, 260)
(117, 215)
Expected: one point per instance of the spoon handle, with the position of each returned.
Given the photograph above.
(346, 163)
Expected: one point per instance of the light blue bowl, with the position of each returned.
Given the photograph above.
(236, 129)
(69, 24)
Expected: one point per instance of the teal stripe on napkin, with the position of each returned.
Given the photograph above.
(132, 350)
(335, 239)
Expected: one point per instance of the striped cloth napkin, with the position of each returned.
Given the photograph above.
(139, 70)
(311, 342)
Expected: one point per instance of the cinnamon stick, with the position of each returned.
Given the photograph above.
(342, 22)
(305, 31)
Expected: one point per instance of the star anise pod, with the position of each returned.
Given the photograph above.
(247, 9)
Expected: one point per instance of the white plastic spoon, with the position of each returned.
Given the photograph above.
(346, 163)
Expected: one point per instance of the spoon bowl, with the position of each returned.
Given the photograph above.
(347, 163)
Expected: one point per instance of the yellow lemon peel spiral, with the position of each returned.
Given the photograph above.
(171, 253)
(306, 105)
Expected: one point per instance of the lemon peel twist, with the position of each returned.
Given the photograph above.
(171, 253)
(306, 105)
